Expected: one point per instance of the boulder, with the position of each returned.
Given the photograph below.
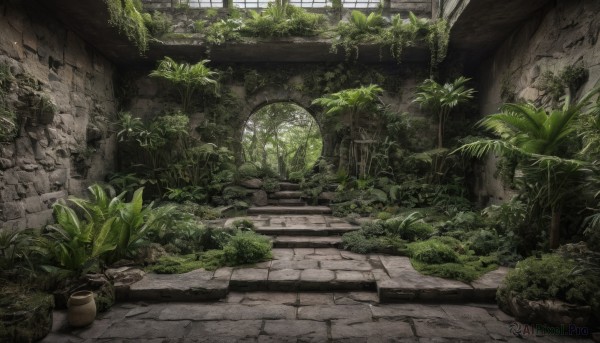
(252, 183)
(552, 312)
(123, 278)
(260, 198)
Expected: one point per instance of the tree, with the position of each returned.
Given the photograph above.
(188, 79)
(538, 139)
(441, 99)
(355, 101)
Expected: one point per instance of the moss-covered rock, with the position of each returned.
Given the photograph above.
(25, 316)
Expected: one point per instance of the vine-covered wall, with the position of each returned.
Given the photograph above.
(245, 88)
(556, 46)
(56, 104)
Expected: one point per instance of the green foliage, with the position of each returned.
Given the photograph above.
(247, 171)
(570, 79)
(8, 118)
(188, 79)
(281, 19)
(157, 23)
(362, 243)
(410, 228)
(187, 193)
(223, 31)
(441, 99)
(247, 247)
(438, 39)
(109, 229)
(127, 18)
(539, 140)
(243, 225)
(360, 28)
(484, 242)
(24, 312)
(170, 264)
(432, 252)
(550, 277)
(271, 185)
(400, 34)
(468, 269)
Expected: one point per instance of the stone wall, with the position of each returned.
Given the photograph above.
(153, 97)
(61, 90)
(565, 33)
(419, 7)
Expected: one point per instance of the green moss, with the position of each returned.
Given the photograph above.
(360, 243)
(174, 264)
(247, 247)
(466, 269)
(25, 316)
(432, 252)
(125, 16)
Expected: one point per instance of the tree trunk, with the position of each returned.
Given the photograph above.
(554, 239)
(441, 131)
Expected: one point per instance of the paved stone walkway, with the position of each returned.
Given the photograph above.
(295, 317)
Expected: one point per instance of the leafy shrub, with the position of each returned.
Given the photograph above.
(484, 242)
(187, 193)
(271, 185)
(362, 243)
(247, 247)
(432, 252)
(233, 193)
(296, 176)
(157, 23)
(410, 228)
(550, 277)
(507, 217)
(222, 31)
(247, 171)
(243, 224)
(280, 20)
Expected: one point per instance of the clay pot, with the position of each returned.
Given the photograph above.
(82, 309)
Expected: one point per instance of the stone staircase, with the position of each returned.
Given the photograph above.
(288, 200)
(307, 256)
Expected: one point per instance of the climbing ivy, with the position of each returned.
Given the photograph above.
(127, 17)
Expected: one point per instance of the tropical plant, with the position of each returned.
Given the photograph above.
(358, 28)
(188, 79)
(354, 102)
(441, 99)
(282, 19)
(537, 138)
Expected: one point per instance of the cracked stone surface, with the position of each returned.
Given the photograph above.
(295, 317)
(316, 269)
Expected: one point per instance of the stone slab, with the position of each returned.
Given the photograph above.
(306, 242)
(249, 279)
(226, 312)
(193, 286)
(289, 210)
(485, 287)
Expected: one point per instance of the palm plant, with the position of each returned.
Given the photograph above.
(188, 79)
(538, 139)
(355, 101)
(441, 99)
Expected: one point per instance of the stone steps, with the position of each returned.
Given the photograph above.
(286, 202)
(289, 186)
(301, 230)
(291, 210)
(286, 195)
(316, 269)
(307, 241)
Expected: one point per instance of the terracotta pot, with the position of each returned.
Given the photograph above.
(82, 309)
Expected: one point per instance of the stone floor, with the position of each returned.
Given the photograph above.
(304, 294)
(296, 317)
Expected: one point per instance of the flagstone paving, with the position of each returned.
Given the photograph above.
(296, 317)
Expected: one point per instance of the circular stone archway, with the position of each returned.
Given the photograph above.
(283, 137)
